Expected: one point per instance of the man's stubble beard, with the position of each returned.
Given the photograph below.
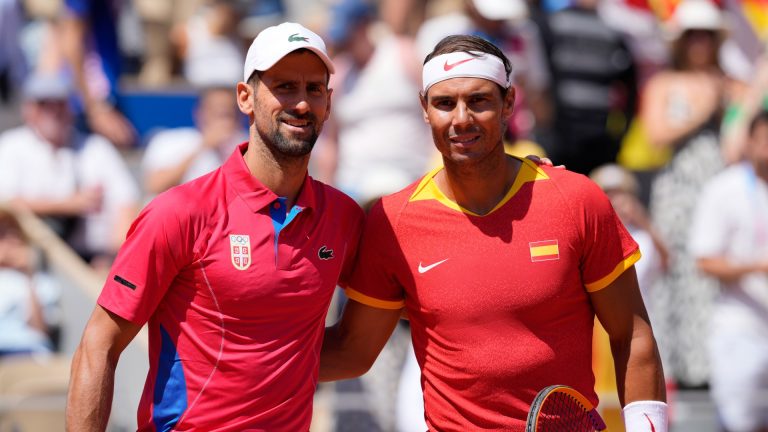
(284, 148)
(291, 148)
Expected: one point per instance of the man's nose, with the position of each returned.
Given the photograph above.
(301, 104)
(462, 115)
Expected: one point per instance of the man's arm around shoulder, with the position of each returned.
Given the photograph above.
(91, 385)
(351, 346)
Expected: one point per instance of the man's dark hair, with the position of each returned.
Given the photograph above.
(468, 44)
(760, 117)
(254, 78)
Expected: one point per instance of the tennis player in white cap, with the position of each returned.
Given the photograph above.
(233, 272)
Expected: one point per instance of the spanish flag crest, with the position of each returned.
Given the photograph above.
(546, 250)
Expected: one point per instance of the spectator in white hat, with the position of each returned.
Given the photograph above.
(682, 110)
(233, 271)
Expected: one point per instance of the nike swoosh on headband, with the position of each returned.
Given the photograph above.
(447, 67)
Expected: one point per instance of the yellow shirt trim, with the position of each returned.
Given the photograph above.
(428, 190)
(374, 302)
(620, 268)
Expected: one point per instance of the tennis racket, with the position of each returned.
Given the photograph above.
(560, 408)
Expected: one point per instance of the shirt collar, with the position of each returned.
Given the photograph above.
(252, 191)
(428, 190)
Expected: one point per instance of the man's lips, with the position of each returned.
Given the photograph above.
(298, 124)
(464, 139)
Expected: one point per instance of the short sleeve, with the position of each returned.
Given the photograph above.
(373, 282)
(608, 248)
(158, 246)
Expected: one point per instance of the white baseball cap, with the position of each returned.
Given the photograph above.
(501, 9)
(274, 43)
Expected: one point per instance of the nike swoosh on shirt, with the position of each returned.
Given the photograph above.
(423, 269)
(653, 428)
(447, 67)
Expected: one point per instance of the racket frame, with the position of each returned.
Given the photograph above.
(532, 422)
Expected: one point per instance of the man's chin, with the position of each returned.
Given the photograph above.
(296, 148)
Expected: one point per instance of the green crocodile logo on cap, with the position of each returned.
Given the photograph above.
(296, 38)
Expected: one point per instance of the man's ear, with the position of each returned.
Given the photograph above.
(509, 102)
(328, 105)
(424, 104)
(245, 98)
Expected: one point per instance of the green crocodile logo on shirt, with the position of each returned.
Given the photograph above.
(296, 38)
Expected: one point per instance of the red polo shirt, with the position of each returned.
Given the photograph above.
(235, 291)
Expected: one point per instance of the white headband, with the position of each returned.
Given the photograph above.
(465, 65)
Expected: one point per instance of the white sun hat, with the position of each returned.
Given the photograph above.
(274, 43)
(695, 15)
(501, 9)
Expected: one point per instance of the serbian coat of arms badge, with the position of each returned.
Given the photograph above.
(240, 250)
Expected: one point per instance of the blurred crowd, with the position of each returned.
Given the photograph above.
(652, 98)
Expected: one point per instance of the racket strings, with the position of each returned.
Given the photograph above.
(562, 413)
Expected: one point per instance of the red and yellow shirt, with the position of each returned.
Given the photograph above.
(498, 304)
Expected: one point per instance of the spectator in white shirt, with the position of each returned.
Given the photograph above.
(79, 181)
(175, 156)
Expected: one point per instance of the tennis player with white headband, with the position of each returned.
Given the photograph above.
(501, 266)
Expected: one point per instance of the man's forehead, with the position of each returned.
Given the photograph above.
(461, 86)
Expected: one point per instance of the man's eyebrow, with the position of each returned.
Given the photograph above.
(296, 81)
(478, 93)
(474, 94)
(277, 81)
(441, 98)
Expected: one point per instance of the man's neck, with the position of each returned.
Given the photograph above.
(479, 188)
(57, 142)
(283, 177)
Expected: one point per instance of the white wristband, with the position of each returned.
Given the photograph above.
(646, 416)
